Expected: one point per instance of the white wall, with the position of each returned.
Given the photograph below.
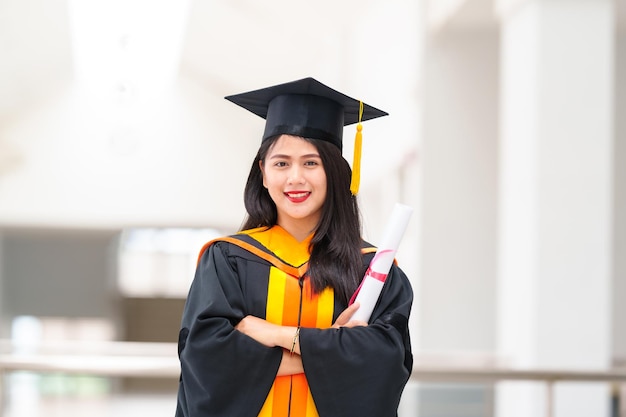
(556, 199)
(619, 209)
(458, 219)
(80, 170)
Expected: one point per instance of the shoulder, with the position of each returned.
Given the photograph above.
(225, 244)
(368, 251)
(367, 247)
(242, 244)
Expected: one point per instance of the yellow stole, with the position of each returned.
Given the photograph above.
(286, 301)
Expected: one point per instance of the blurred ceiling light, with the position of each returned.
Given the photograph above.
(126, 58)
(121, 47)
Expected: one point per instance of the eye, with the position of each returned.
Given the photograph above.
(280, 164)
(312, 162)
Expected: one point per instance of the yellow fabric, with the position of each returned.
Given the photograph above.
(281, 243)
(275, 296)
(356, 161)
(288, 302)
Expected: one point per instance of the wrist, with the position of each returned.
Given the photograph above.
(295, 341)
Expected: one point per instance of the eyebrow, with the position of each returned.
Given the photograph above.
(284, 156)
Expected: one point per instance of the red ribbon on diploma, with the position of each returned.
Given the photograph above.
(371, 273)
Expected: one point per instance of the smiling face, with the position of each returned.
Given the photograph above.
(296, 181)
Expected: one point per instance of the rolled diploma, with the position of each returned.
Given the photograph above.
(379, 267)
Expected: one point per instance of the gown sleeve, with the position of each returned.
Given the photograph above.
(362, 371)
(223, 371)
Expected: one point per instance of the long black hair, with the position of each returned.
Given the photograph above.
(336, 259)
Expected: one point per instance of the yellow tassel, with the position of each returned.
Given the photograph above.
(356, 162)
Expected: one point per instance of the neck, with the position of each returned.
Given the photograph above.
(299, 230)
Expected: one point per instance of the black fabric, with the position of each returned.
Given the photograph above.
(305, 108)
(351, 371)
(305, 115)
(362, 371)
(224, 372)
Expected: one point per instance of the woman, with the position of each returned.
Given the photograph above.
(266, 329)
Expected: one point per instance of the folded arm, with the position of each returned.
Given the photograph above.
(272, 335)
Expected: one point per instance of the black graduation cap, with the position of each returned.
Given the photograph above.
(305, 108)
(309, 109)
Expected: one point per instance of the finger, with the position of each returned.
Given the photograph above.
(356, 323)
(353, 308)
(346, 314)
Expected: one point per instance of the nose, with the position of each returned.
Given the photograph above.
(295, 175)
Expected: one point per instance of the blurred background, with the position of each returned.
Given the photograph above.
(119, 158)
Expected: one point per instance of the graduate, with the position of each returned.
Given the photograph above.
(267, 329)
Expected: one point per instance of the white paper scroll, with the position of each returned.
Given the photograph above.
(379, 267)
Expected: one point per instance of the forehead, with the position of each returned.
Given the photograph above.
(293, 146)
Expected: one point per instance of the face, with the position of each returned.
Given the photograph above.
(296, 181)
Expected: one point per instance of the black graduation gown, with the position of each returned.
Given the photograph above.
(352, 372)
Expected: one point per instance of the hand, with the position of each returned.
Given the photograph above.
(260, 330)
(344, 318)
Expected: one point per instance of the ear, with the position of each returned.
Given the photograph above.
(262, 173)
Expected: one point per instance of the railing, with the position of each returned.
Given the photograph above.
(121, 359)
(159, 360)
(549, 377)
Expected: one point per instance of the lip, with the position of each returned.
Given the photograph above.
(297, 196)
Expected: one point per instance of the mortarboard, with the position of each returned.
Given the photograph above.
(309, 109)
